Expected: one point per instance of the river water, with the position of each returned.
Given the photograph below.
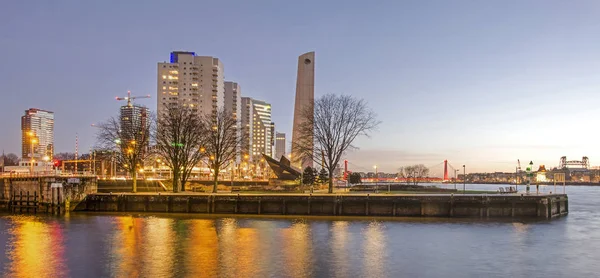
(160, 245)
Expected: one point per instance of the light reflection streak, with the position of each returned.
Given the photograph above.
(238, 256)
(37, 248)
(158, 247)
(297, 249)
(374, 251)
(340, 237)
(126, 243)
(202, 249)
(227, 250)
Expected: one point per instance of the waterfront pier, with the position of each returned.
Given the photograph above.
(543, 206)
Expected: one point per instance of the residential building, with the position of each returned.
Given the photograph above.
(279, 145)
(37, 134)
(134, 118)
(305, 97)
(190, 81)
(256, 125)
(233, 105)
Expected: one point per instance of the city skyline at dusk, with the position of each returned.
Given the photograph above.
(466, 83)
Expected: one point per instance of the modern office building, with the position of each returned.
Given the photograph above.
(233, 105)
(37, 134)
(279, 145)
(256, 125)
(305, 98)
(190, 81)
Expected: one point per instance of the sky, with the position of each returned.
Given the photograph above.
(479, 83)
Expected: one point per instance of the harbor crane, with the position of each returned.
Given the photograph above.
(129, 98)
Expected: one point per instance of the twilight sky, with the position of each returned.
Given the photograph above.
(481, 83)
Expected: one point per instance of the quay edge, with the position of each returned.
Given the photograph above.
(508, 206)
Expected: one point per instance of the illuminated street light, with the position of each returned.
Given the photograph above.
(376, 179)
(464, 179)
(33, 141)
(46, 159)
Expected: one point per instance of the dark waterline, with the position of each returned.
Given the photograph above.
(160, 245)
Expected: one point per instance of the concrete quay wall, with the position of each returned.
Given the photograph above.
(421, 205)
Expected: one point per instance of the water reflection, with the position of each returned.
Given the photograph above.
(158, 247)
(117, 245)
(297, 249)
(36, 248)
(374, 250)
(126, 238)
(339, 246)
(202, 249)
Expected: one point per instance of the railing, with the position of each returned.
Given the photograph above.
(45, 174)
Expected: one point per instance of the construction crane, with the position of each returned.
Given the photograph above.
(129, 98)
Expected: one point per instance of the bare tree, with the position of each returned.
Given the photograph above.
(328, 132)
(179, 138)
(10, 159)
(413, 172)
(222, 141)
(129, 140)
(64, 156)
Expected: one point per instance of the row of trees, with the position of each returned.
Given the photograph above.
(413, 173)
(181, 137)
(311, 176)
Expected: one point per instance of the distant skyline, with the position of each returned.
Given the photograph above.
(481, 83)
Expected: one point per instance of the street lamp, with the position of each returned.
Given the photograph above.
(455, 174)
(33, 141)
(375, 177)
(46, 159)
(464, 179)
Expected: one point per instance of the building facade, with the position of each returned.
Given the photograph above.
(256, 126)
(134, 118)
(305, 98)
(37, 134)
(272, 138)
(233, 105)
(190, 81)
(279, 145)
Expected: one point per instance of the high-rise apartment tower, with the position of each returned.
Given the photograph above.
(256, 125)
(37, 134)
(190, 81)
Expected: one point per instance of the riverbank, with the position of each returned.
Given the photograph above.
(394, 205)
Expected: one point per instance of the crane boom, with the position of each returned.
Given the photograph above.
(128, 98)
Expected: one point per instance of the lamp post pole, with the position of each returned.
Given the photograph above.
(529, 168)
(376, 179)
(33, 141)
(464, 179)
(455, 171)
(46, 159)
(31, 162)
